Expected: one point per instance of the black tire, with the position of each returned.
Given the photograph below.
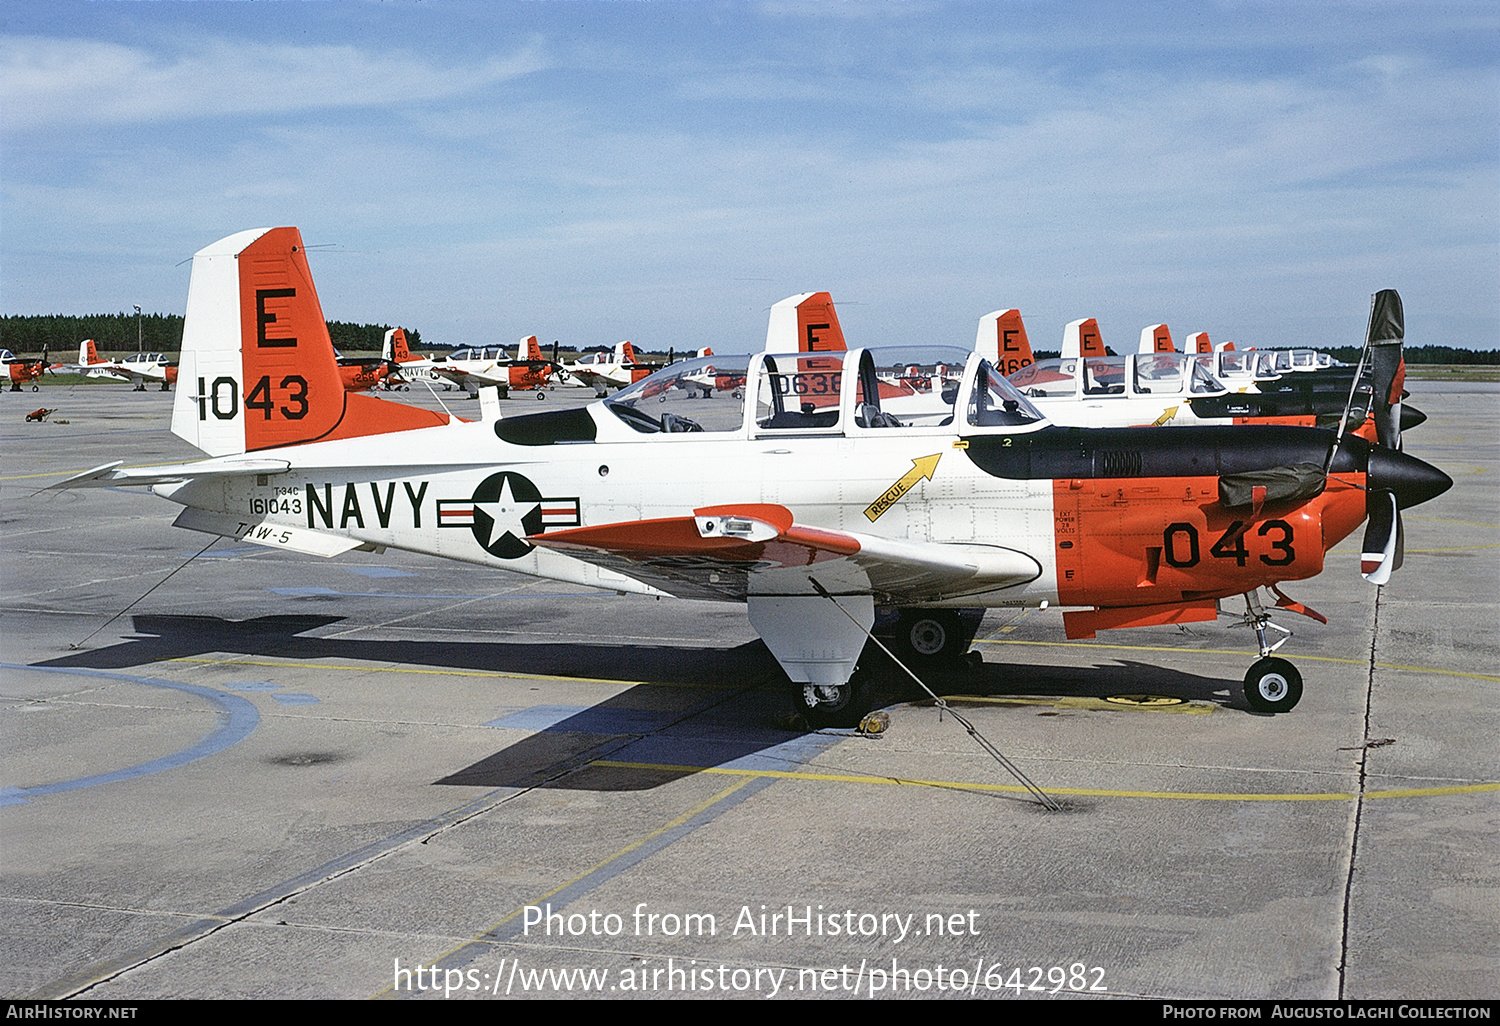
(848, 706)
(1273, 686)
(931, 637)
(540, 394)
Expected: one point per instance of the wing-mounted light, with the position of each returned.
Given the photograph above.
(737, 528)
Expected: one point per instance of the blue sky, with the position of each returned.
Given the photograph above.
(665, 171)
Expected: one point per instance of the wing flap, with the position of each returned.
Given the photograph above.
(757, 549)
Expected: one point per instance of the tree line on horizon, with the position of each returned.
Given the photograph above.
(159, 333)
(26, 334)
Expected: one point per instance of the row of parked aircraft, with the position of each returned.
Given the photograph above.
(818, 484)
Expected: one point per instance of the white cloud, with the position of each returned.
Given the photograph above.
(51, 83)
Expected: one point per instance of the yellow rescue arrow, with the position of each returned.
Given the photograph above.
(921, 467)
(1165, 417)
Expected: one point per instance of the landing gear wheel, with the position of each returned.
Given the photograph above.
(36, 388)
(931, 636)
(540, 394)
(834, 705)
(1273, 686)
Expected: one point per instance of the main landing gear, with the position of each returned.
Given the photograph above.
(928, 641)
(835, 705)
(1273, 685)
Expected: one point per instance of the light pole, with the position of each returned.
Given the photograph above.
(137, 328)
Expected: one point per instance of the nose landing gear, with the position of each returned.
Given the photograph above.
(1273, 685)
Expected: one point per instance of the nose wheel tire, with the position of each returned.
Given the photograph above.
(1273, 686)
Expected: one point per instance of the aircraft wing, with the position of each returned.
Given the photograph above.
(111, 476)
(483, 378)
(754, 549)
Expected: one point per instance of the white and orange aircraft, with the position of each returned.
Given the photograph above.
(490, 367)
(613, 370)
(19, 371)
(1156, 386)
(813, 518)
(138, 369)
(361, 374)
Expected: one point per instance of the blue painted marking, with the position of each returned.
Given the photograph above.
(685, 747)
(293, 698)
(586, 719)
(253, 685)
(376, 571)
(237, 719)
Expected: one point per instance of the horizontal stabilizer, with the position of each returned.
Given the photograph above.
(111, 476)
(260, 532)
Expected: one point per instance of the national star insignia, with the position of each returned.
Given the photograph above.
(506, 514)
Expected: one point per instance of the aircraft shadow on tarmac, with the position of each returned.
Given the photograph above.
(701, 708)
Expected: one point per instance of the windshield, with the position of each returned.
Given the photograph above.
(996, 402)
(706, 393)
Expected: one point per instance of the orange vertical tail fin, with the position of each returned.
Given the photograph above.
(258, 369)
(1002, 341)
(1081, 338)
(805, 323)
(1156, 339)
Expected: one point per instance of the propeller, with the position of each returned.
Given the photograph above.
(1388, 481)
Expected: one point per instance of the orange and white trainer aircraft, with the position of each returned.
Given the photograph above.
(361, 374)
(19, 371)
(613, 370)
(490, 367)
(813, 517)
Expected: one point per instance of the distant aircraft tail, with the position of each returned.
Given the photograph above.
(1198, 342)
(395, 349)
(258, 369)
(624, 352)
(805, 323)
(1081, 338)
(1156, 339)
(87, 353)
(530, 349)
(1002, 341)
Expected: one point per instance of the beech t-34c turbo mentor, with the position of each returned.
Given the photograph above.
(803, 498)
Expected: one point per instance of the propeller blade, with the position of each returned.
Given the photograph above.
(1400, 543)
(1387, 365)
(1380, 553)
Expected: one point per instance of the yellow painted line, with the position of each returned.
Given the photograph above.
(1089, 704)
(956, 785)
(1232, 652)
(671, 825)
(1445, 520)
(1457, 548)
